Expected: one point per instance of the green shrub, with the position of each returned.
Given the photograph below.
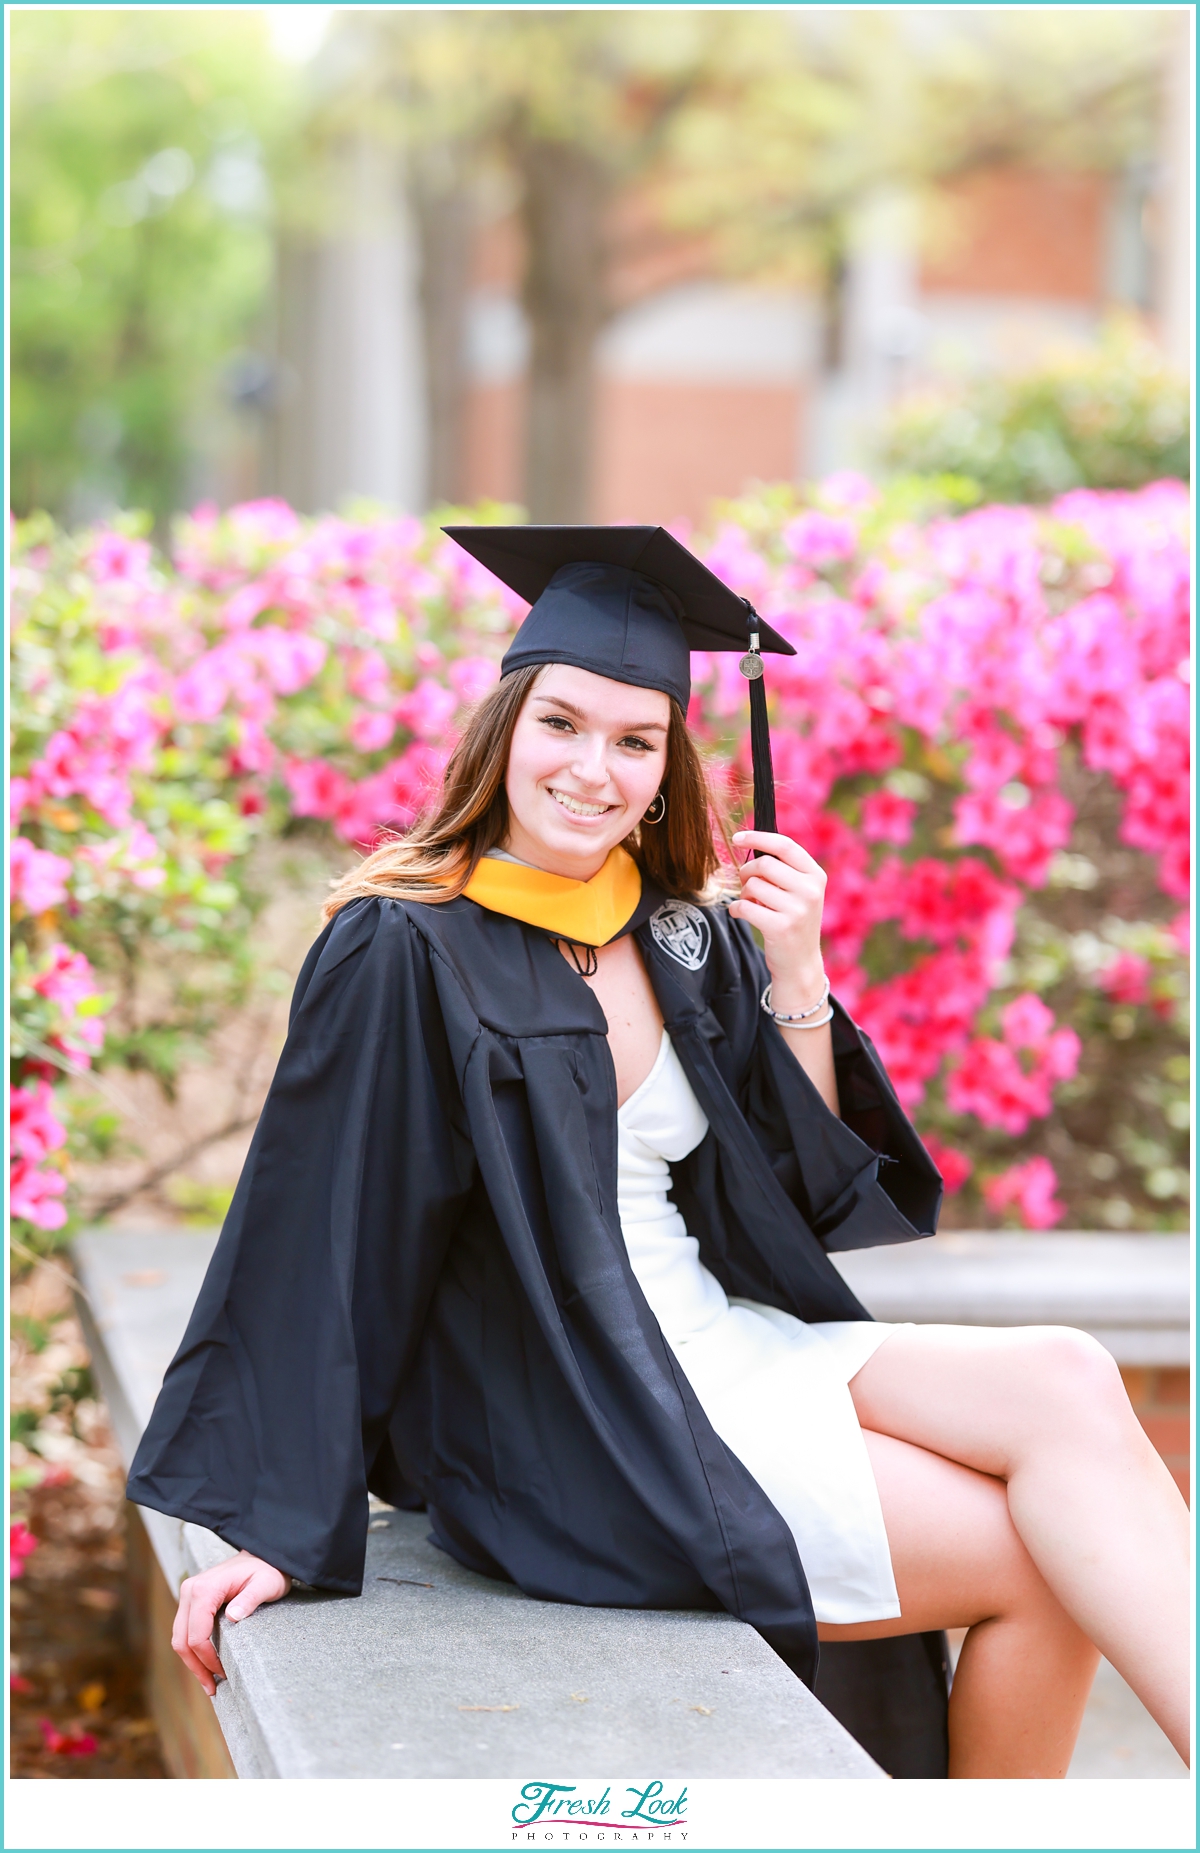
(1113, 418)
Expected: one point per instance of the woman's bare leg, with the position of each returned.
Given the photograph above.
(1043, 1408)
(1025, 1669)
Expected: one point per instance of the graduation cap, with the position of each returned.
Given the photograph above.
(629, 603)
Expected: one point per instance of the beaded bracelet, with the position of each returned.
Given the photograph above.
(803, 1019)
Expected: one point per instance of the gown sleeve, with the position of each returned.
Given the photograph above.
(276, 1404)
(861, 1180)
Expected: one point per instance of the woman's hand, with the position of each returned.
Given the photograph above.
(783, 894)
(246, 1578)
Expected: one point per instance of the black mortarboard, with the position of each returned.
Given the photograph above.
(629, 603)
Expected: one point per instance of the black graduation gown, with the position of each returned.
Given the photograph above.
(422, 1289)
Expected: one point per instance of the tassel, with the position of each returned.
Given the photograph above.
(751, 667)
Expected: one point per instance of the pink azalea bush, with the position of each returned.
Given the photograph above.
(983, 737)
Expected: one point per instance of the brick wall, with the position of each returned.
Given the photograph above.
(1014, 231)
(1161, 1398)
(663, 449)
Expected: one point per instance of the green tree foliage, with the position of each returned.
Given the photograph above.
(141, 241)
(1114, 418)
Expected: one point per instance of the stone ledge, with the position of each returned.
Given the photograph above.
(1132, 1292)
(435, 1671)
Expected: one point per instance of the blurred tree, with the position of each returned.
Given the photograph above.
(905, 100)
(570, 107)
(141, 243)
(762, 131)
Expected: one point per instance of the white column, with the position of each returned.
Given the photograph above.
(351, 419)
(882, 334)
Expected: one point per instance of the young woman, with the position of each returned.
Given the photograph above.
(452, 1272)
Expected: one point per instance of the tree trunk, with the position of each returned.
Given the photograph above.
(444, 211)
(566, 193)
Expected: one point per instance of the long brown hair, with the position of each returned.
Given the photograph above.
(435, 860)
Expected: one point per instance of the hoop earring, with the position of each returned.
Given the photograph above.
(660, 799)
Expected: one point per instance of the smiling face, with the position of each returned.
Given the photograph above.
(587, 757)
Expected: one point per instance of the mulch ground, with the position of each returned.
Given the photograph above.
(78, 1708)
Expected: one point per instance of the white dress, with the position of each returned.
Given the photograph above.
(774, 1388)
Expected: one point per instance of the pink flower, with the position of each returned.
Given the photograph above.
(266, 522)
(66, 1743)
(468, 583)
(369, 678)
(254, 751)
(317, 788)
(887, 818)
(1026, 1022)
(395, 797)
(954, 1166)
(67, 978)
(990, 1083)
(21, 1544)
(922, 1015)
(290, 658)
(32, 1195)
(135, 854)
(34, 1129)
(427, 709)
(369, 807)
(246, 604)
(820, 540)
(733, 559)
(1126, 979)
(39, 879)
(1030, 1188)
(375, 611)
(416, 777)
(472, 676)
(1025, 832)
(1001, 1090)
(995, 758)
(370, 730)
(849, 489)
(115, 556)
(1175, 872)
(202, 691)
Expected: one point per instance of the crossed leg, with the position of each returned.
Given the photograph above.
(1023, 1501)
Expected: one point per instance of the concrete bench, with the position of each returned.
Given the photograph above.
(434, 1671)
(438, 1672)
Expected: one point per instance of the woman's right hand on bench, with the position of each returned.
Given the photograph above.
(243, 1582)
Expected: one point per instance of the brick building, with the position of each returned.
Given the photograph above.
(704, 384)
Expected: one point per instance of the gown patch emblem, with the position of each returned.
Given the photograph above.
(683, 933)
